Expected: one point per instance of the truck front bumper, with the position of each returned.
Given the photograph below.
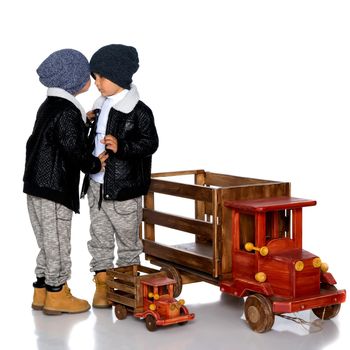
(174, 320)
(325, 298)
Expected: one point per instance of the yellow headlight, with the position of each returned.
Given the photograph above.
(316, 262)
(264, 251)
(299, 266)
(324, 267)
(249, 246)
(152, 307)
(260, 276)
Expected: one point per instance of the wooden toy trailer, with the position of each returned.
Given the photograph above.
(247, 240)
(148, 294)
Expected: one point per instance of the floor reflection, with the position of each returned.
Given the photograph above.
(219, 325)
(55, 332)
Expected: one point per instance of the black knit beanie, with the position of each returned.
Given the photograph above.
(115, 62)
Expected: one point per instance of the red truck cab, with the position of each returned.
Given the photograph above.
(160, 308)
(270, 266)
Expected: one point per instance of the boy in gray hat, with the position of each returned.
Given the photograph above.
(56, 152)
(124, 126)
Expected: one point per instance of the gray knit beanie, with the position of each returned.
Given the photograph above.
(67, 69)
(115, 62)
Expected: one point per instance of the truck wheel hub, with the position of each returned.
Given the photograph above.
(253, 314)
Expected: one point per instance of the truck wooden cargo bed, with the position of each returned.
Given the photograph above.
(125, 285)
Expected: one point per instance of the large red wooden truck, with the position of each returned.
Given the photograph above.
(246, 239)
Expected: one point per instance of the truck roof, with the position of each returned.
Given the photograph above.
(269, 204)
(157, 281)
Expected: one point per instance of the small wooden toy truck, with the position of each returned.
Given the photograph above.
(148, 294)
(247, 239)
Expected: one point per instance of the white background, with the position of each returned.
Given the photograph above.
(250, 88)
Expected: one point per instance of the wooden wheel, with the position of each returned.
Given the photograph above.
(258, 313)
(175, 275)
(151, 323)
(330, 311)
(120, 311)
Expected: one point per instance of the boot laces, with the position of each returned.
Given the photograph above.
(68, 292)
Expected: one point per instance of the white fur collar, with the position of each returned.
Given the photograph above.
(58, 92)
(126, 105)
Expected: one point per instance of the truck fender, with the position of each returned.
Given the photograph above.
(150, 312)
(242, 287)
(185, 310)
(327, 277)
(146, 313)
(262, 288)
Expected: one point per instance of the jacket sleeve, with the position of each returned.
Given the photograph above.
(146, 141)
(72, 139)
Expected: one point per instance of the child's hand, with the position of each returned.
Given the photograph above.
(91, 115)
(103, 157)
(111, 143)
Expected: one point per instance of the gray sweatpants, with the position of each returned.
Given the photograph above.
(51, 224)
(116, 220)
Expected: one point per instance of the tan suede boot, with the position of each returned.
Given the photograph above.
(39, 298)
(64, 302)
(100, 297)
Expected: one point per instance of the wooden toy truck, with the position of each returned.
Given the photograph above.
(148, 294)
(247, 239)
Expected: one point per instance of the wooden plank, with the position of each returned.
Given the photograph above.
(196, 248)
(199, 227)
(158, 274)
(226, 240)
(146, 269)
(190, 275)
(297, 227)
(266, 190)
(130, 270)
(149, 228)
(179, 256)
(222, 180)
(121, 286)
(269, 204)
(178, 173)
(260, 229)
(181, 190)
(121, 299)
(216, 257)
(199, 205)
(208, 210)
(200, 210)
(123, 277)
(187, 278)
(138, 288)
(123, 269)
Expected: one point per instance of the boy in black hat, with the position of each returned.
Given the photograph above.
(56, 152)
(124, 126)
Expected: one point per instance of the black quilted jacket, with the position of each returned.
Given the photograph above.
(56, 152)
(128, 172)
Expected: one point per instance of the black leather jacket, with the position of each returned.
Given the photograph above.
(56, 152)
(128, 172)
